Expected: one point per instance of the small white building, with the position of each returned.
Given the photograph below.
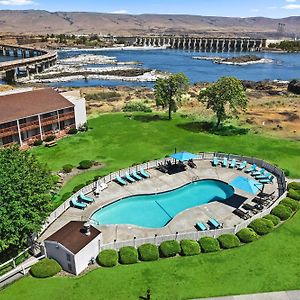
(74, 246)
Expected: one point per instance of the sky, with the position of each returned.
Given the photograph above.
(230, 8)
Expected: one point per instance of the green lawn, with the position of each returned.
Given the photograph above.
(119, 141)
(269, 264)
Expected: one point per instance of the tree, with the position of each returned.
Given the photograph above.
(24, 198)
(225, 97)
(169, 90)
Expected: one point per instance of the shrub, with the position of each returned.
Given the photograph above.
(274, 219)
(67, 168)
(286, 172)
(291, 203)
(209, 244)
(148, 252)
(78, 187)
(72, 131)
(45, 268)
(136, 106)
(294, 186)
(107, 258)
(128, 255)
(189, 247)
(169, 248)
(294, 194)
(247, 235)
(85, 164)
(262, 226)
(50, 138)
(282, 212)
(228, 241)
(37, 143)
(66, 196)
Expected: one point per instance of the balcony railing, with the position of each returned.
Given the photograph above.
(49, 120)
(29, 125)
(8, 131)
(67, 116)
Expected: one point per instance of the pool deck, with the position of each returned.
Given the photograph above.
(160, 182)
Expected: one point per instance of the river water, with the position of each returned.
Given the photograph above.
(284, 66)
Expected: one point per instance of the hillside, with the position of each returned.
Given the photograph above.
(41, 22)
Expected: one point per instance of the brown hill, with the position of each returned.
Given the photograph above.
(41, 22)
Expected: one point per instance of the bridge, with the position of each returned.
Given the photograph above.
(205, 44)
(28, 60)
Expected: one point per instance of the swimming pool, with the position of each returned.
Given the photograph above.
(157, 210)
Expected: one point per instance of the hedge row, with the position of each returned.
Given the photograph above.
(45, 268)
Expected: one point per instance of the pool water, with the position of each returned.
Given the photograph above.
(157, 210)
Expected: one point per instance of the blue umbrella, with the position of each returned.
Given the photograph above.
(246, 184)
(183, 156)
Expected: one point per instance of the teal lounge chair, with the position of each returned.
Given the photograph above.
(214, 223)
(136, 175)
(85, 198)
(201, 226)
(233, 164)
(77, 204)
(264, 176)
(257, 173)
(253, 168)
(242, 165)
(267, 180)
(215, 161)
(129, 178)
(225, 162)
(144, 173)
(121, 180)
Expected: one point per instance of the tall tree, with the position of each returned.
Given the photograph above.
(169, 91)
(225, 98)
(24, 197)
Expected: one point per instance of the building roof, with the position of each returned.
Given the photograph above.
(22, 105)
(72, 237)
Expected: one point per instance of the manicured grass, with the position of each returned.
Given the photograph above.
(269, 264)
(119, 141)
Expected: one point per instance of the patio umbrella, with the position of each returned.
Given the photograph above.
(246, 184)
(183, 156)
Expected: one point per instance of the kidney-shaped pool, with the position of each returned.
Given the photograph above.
(157, 210)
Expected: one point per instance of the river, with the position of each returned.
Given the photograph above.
(285, 66)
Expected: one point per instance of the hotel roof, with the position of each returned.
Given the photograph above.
(26, 104)
(72, 237)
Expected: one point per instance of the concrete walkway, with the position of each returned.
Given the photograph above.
(289, 295)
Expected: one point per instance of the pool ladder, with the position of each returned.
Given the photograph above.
(195, 178)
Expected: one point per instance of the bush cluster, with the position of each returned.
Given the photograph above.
(85, 164)
(78, 187)
(72, 131)
(133, 106)
(45, 268)
(128, 255)
(148, 252)
(228, 241)
(189, 247)
(262, 226)
(282, 212)
(50, 138)
(274, 219)
(294, 194)
(294, 186)
(169, 248)
(291, 203)
(247, 235)
(37, 143)
(209, 244)
(108, 258)
(67, 168)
